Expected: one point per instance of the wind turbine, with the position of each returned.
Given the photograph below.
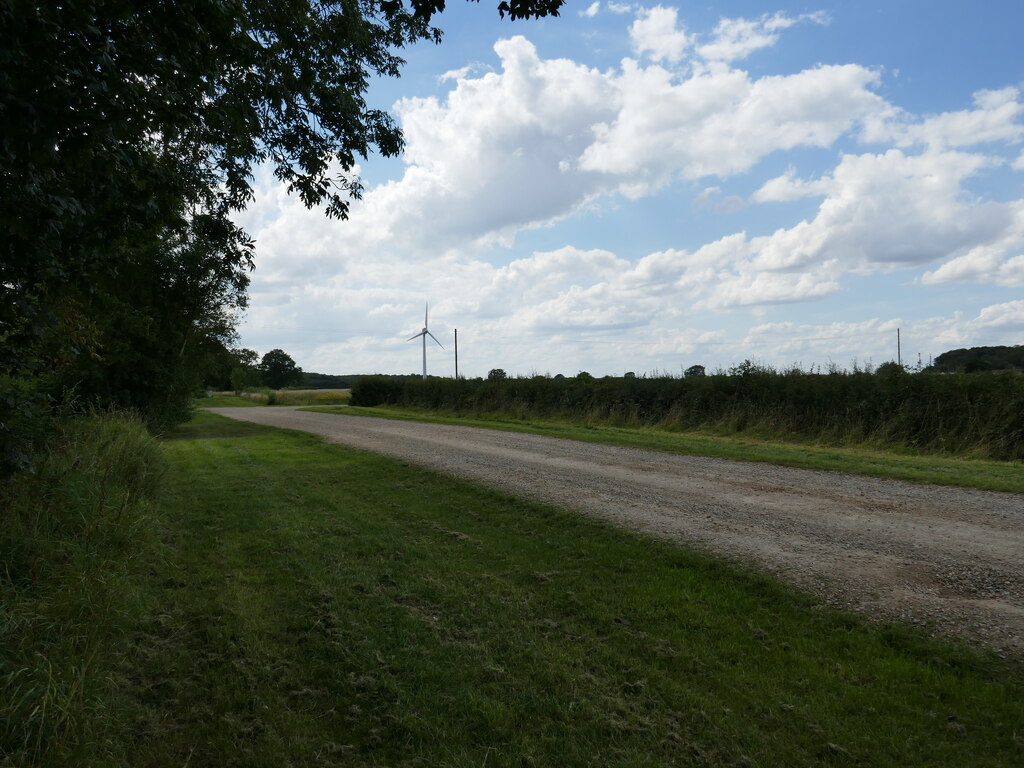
(424, 333)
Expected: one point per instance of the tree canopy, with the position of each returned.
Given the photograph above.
(131, 131)
(977, 359)
(279, 370)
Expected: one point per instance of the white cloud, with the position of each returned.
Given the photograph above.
(998, 260)
(996, 118)
(540, 138)
(537, 140)
(1008, 316)
(722, 123)
(788, 187)
(872, 342)
(655, 32)
(888, 210)
(735, 39)
(591, 10)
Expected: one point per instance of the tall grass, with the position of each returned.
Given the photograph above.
(70, 532)
(979, 414)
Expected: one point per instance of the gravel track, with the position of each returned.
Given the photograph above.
(948, 558)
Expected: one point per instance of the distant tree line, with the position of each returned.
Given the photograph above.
(976, 359)
(980, 412)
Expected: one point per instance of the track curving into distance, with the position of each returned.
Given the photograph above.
(950, 558)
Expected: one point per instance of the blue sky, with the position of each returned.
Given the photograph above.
(643, 187)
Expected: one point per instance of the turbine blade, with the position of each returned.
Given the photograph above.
(426, 309)
(433, 337)
(416, 336)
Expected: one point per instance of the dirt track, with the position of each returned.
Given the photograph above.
(946, 557)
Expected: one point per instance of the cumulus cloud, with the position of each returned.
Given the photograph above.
(735, 39)
(998, 260)
(591, 10)
(721, 123)
(787, 187)
(873, 341)
(537, 140)
(890, 209)
(996, 117)
(657, 34)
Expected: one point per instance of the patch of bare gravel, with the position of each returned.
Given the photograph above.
(948, 558)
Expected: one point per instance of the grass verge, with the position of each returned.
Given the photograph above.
(313, 397)
(225, 400)
(72, 535)
(984, 474)
(320, 605)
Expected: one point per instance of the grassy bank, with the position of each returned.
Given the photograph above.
(71, 537)
(275, 397)
(319, 605)
(942, 470)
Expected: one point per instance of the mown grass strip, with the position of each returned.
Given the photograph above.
(222, 400)
(318, 605)
(940, 470)
(272, 397)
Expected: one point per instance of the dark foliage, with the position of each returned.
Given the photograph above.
(312, 380)
(130, 131)
(278, 370)
(978, 359)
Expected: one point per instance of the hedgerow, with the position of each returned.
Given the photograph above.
(979, 414)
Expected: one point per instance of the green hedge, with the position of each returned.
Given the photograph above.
(981, 413)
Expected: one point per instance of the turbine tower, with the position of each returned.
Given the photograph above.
(424, 333)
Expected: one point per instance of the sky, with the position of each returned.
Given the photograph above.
(646, 187)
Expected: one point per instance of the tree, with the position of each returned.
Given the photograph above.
(279, 370)
(497, 374)
(694, 370)
(976, 359)
(130, 136)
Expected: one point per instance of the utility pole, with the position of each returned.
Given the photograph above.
(456, 354)
(899, 351)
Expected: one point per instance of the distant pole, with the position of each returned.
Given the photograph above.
(899, 350)
(456, 354)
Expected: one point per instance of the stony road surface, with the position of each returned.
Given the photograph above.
(948, 558)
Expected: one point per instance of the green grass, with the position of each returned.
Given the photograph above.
(321, 606)
(72, 537)
(271, 397)
(984, 474)
(225, 400)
